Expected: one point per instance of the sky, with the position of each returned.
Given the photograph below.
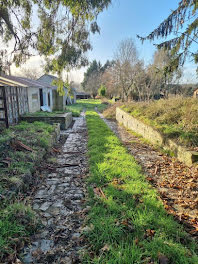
(125, 19)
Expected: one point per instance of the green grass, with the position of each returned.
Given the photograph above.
(45, 114)
(37, 136)
(120, 224)
(17, 222)
(76, 109)
(88, 104)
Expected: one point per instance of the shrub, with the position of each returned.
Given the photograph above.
(102, 90)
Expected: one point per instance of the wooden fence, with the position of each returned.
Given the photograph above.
(13, 103)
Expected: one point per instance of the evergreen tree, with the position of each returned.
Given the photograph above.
(91, 82)
(59, 30)
(183, 24)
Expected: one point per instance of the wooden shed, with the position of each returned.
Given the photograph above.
(39, 94)
(13, 102)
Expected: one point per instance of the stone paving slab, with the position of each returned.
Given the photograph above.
(59, 203)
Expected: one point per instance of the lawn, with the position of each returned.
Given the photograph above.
(42, 113)
(127, 222)
(88, 104)
(76, 109)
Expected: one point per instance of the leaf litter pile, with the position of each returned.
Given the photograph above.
(176, 183)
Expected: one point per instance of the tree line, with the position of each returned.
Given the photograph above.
(129, 78)
(59, 31)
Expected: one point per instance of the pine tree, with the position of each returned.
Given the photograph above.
(183, 24)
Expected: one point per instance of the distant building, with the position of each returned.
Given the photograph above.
(82, 95)
(195, 94)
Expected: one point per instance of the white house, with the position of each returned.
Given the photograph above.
(59, 102)
(39, 94)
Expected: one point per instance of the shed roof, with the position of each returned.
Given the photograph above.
(8, 82)
(22, 81)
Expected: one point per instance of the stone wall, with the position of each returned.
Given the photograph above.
(63, 119)
(155, 137)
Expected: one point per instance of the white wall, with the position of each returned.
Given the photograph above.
(46, 92)
(33, 99)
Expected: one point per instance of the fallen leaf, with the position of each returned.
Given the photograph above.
(136, 241)
(128, 225)
(149, 233)
(99, 192)
(105, 248)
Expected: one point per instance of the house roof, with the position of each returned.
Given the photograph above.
(47, 78)
(8, 82)
(81, 93)
(22, 81)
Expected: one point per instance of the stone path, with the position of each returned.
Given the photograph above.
(176, 183)
(59, 203)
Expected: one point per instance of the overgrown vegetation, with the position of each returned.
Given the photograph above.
(176, 118)
(127, 222)
(17, 165)
(17, 222)
(110, 112)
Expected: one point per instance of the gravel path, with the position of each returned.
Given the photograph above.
(59, 203)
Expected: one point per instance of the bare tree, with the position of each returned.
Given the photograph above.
(93, 84)
(126, 58)
(31, 73)
(108, 79)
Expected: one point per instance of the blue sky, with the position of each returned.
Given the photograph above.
(125, 19)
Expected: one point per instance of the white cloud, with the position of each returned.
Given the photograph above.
(37, 62)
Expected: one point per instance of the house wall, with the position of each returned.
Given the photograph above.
(48, 98)
(33, 99)
(58, 104)
(57, 101)
(74, 100)
(195, 95)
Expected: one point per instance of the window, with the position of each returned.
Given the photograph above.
(35, 97)
(49, 102)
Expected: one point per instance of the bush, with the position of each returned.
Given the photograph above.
(102, 90)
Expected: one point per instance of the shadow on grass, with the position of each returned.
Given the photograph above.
(129, 223)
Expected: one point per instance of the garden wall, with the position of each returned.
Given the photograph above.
(155, 137)
(63, 119)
